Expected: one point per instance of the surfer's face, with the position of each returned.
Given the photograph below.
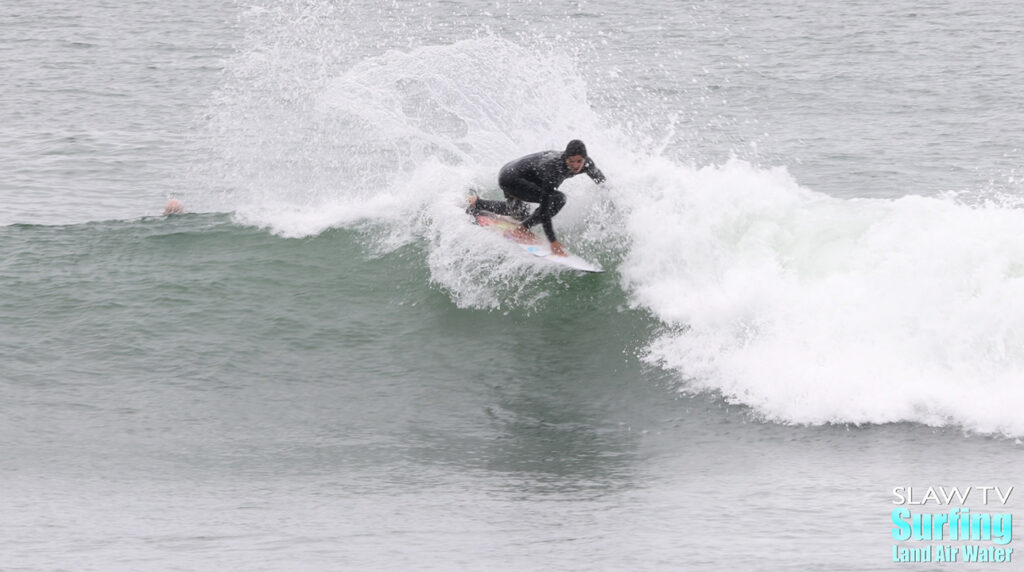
(575, 163)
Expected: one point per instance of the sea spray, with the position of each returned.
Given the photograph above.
(394, 142)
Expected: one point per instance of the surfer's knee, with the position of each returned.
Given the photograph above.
(557, 201)
(517, 208)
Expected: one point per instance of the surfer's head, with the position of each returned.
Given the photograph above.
(173, 206)
(575, 155)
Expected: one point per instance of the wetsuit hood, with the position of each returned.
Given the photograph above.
(575, 147)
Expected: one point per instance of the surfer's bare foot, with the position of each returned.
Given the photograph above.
(471, 206)
(557, 249)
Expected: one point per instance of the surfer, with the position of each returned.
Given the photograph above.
(173, 207)
(535, 178)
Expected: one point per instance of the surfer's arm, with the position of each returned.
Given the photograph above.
(593, 172)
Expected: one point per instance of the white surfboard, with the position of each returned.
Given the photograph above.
(532, 243)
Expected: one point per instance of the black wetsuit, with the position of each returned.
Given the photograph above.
(535, 179)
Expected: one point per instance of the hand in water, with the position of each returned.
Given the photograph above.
(557, 249)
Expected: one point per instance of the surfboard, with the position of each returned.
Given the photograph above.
(532, 243)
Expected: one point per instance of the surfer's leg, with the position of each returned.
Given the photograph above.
(517, 209)
(519, 191)
(548, 208)
(496, 207)
(511, 207)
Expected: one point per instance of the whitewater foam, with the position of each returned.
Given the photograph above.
(812, 309)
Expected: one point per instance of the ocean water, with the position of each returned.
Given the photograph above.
(812, 230)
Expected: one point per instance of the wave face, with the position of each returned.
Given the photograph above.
(804, 306)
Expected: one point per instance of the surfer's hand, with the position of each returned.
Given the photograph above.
(557, 250)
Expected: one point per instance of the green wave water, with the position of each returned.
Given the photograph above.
(199, 298)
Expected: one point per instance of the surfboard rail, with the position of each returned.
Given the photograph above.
(530, 242)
